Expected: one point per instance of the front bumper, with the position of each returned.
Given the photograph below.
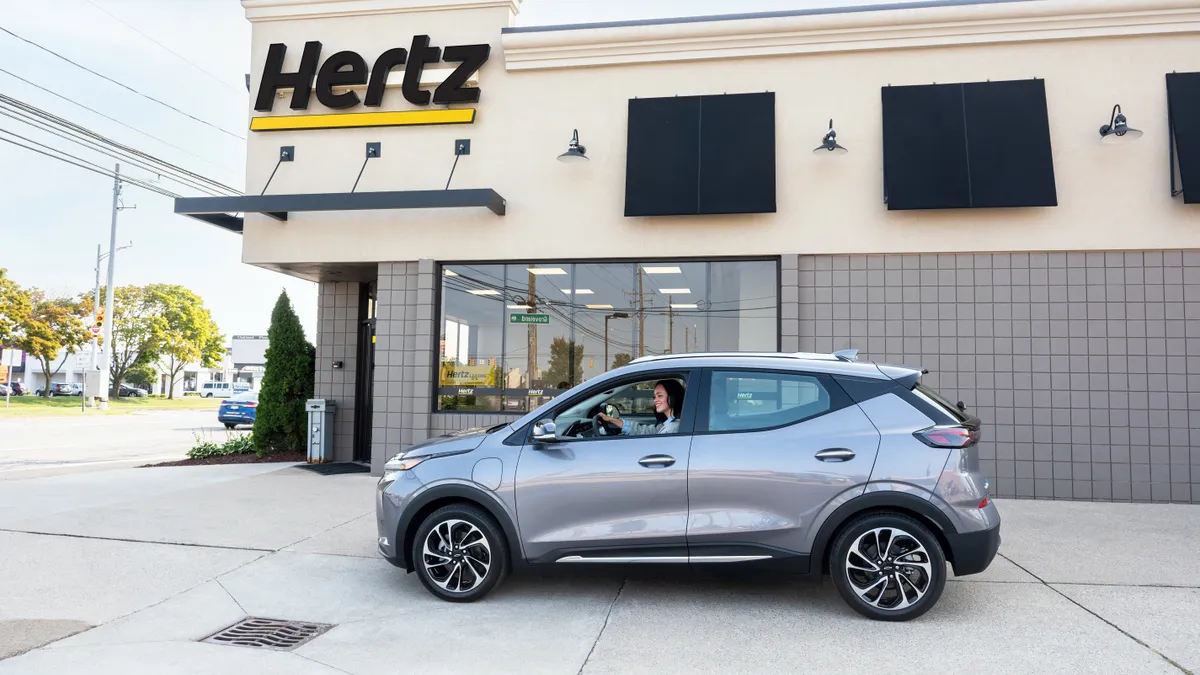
(972, 552)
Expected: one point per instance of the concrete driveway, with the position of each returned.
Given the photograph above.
(124, 571)
(41, 446)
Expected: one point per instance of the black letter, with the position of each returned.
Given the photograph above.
(332, 74)
(452, 90)
(379, 74)
(274, 79)
(418, 55)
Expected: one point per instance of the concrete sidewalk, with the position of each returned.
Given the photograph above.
(123, 571)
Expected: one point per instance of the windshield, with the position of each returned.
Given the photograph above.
(249, 396)
(939, 401)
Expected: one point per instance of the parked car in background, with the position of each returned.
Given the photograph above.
(134, 392)
(18, 389)
(5, 390)
(62, 389)
(238, 409)
(219, 389)
(807, 463)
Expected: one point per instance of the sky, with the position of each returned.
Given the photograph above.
(192, 55)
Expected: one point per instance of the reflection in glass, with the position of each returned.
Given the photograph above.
(514, 336)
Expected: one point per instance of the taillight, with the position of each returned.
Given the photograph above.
(950, 436)
(983, 504)
(250, 405)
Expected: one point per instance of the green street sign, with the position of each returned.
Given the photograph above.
(529, 318)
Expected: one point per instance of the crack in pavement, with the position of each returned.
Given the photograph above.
(139, 541)
(603, 627)
(1122, 631)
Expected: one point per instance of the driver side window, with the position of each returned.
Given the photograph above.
(631, 402)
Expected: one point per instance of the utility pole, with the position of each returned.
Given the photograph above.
(105, 385)
(641, 316)
(531, 336)
(670, 326)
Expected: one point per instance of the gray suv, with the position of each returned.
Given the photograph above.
(803, 463)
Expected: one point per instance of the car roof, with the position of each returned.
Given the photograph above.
(843, 362)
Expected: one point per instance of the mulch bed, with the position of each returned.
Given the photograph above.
(250, 458)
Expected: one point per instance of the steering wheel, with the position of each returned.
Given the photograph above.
(605, 428)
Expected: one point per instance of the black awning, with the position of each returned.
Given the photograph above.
(219, 210)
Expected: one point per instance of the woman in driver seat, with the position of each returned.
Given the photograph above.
(668, 403)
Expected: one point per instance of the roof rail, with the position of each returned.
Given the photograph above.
(760, 355)
(847, 355)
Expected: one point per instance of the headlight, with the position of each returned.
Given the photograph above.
(397, 464)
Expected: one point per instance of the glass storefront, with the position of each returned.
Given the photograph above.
(513, 336)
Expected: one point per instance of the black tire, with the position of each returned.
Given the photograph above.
(928, 565)
(229, 425)
(496, 548)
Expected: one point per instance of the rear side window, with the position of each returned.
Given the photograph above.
(750, 400)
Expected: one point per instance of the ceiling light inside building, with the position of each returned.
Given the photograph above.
(662, 270)
(519, 307)
(449, 273)
(675, 291)
(584, 291)
(676, 305)
(546, 270)
(484, 291)
(599, 306)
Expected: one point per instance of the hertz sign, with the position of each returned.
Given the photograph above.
(343, 71)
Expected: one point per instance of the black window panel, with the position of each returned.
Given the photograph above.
(737, 153)
(1008, 144)
(1183, 97)
(925, 148)
(662, 156)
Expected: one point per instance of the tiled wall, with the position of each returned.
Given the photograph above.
(337, 340)
(1084, 367)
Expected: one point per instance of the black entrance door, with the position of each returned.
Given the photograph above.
(364, 377)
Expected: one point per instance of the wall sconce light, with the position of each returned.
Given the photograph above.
(575, 152)
(830, 144)
(1118, 128)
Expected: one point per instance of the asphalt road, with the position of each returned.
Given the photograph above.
(50, 445)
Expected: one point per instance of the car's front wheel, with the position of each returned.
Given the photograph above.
(888, 566)
(460, 553)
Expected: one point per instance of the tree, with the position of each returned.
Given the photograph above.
(561, 367)
(280, 419)
(52, 326)
(14, 308)
(190, 336)
(142, 375)
(620, 359)
(138, 331)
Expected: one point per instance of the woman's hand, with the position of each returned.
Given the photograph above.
(615, 421)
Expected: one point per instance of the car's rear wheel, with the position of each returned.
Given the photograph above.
(460, 553)
(888, 567)
(230, 425)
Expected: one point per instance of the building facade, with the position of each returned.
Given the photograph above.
(980, 226)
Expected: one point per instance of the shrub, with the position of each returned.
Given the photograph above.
(280, 420)
(236, 445)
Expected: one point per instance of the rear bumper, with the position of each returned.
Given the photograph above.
(974, 551)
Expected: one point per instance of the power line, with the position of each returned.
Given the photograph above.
(122, 85)
(67, 158)
(112, 119)
(163, 167)
(92, 145)
(173, 52)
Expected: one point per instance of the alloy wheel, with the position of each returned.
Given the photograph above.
(888, 568)
(456, 556)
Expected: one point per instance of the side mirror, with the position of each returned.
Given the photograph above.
(543, 432)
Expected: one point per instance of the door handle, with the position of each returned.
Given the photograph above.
(657, 460)
(835, 455)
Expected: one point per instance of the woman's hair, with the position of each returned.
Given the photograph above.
(674, 398)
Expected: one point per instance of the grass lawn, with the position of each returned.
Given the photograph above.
(35, 406)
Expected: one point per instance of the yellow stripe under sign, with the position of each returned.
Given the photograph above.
(368, 119)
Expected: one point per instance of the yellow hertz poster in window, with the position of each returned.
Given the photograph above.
(456, 375)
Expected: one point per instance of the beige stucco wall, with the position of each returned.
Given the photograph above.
(1110, 197)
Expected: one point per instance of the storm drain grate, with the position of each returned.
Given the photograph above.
(268, 633)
